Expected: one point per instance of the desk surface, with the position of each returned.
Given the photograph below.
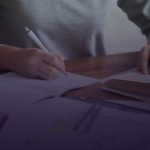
(100, 67)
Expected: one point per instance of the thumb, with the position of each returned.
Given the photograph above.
(144, 59)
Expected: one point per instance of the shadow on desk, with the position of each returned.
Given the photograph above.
(96, 91)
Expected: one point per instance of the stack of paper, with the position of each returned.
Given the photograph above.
(18, 92)
(14, 98)
(133, 84)
(60, 124)
(134, 76)
(38, 122)
(54, 87)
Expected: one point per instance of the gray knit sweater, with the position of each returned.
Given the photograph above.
(70, 27)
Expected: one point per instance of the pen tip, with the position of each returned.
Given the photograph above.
(65, 73)
(27, 29)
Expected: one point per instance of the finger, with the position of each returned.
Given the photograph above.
(61, 59)
(45, 68)
(54, 74)
(54, 61)
(48, 72)
(144, 58)
(42, 75)
(35, 74)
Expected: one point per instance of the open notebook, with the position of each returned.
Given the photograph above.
(18, 92)
(133, 84)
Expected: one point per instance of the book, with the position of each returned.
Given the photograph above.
(133, 84)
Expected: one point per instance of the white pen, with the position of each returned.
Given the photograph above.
(36, 40)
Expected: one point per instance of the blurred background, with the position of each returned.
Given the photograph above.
(121, 35)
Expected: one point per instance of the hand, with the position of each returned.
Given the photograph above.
(144, 59)
(35, 63)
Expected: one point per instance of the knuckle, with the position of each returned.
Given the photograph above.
(35, 59)
(31, 62)
(50, 71)
(60, 57)
(54, 58)
(45, 77)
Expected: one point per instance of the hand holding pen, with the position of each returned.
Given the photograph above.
(31, 62)
(51, 64)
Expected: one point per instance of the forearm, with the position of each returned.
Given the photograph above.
(7, 56)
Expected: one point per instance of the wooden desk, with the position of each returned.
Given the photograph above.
(100, 67)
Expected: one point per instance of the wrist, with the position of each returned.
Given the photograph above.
(8, 57)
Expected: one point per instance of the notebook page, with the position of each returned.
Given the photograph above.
(50, 120)
(54, 87)
(14, 98)
(50, 125)
(131, 76)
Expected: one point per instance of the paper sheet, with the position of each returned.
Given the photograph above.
(131, 76)
(49, 125)
(121, 130)
(135, 104)
(54, 87)
(14, 98)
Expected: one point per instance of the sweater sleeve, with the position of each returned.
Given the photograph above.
(138, 11)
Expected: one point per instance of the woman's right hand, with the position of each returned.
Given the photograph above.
(33, 63)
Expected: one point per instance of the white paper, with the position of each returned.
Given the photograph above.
(49, 125)
(14, 98)
(121, 130)
(54, 87)
(131, 76)
(132, 103)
